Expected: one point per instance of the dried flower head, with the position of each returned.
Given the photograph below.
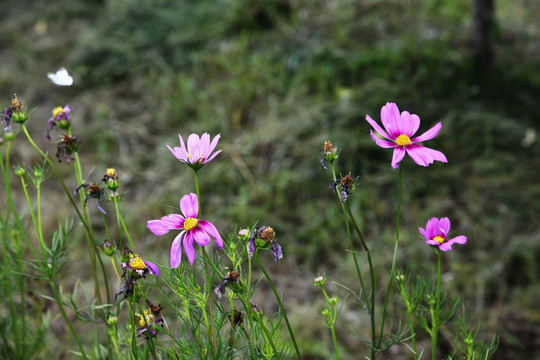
(67, 147)
(231, 279)
(328, 153)
(94, 192)
(345, 185)
(236, 317)
(16, 112)
(264, 238)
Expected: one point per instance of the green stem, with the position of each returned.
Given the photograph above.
(89, 235)
(197, 191)
(11, 204)
(372, 277)
(34, 220)
(8, 290)
(279, 301)
(251, 316)
(114, 336)
(66, 318)
(347, 226)
(436, 318)
(409, 308)
(66, 191)
(334, 339)
(211, 330)
(121, 222)
(249, 277)
(5, 174)
(392, 271)
(39, 229)
(133, 338)
(332, 322)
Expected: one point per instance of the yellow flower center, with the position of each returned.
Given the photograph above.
(439, 239)
(146, 317)
(136, 262)
(58, 111)
(190, 223)
(403, 140)
(111, 172)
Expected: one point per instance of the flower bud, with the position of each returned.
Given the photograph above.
(243, 234)
(20, 117)
(108, 248)
(19, 170)
(112, 320)
(9, 136)
(319, 281)
(325, 312)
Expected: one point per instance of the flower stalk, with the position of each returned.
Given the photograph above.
(271, 283)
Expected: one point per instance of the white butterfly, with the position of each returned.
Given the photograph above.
(61, 77)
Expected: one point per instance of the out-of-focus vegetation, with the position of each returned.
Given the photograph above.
(276, 79)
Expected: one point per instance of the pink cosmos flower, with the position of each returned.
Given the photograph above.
(198, 151)
(436, 233)
(399, 130)
(192, 229)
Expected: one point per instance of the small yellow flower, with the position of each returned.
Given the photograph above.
(58, 111)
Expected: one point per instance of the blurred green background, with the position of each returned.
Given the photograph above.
(278, 78)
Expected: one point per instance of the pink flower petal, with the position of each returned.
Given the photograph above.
(157, 228)
(182, 145)
(212, 231)
(428, 135)
(391, 119)
(213, 145)
(423, 233)
(376, 126)
(458, 240)
(424, 156)
(204, 143)
(173, 221)
(410, 123)
(179, 153)
(189, 205)
(446, 246)
(188, 247)
(432, 228)
(192, 143)
(200, 237)
(399, 154)
(211, 157)
(382, 143)
(444, 226)
(176, 250)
